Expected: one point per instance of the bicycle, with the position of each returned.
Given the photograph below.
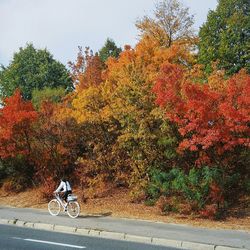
(72, 207)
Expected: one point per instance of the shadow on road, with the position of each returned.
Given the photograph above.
(97, 215)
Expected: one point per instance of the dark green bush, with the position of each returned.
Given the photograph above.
(198, 187)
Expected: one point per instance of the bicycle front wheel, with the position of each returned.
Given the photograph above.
(73, 209)
(54, 207)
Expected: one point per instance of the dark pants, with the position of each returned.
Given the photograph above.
(65, 195)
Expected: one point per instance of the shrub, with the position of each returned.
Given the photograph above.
(15, 184)
(167, 204)
(202, 189)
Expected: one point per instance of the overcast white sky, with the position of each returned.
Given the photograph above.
(62, 25)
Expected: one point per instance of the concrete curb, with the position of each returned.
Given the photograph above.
(118, 236)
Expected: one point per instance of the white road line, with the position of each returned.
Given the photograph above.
(51, 243)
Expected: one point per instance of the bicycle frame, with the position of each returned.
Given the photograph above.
(60, 201)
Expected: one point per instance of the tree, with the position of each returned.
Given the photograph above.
(146, 140)
(213, 122)
(17, 118)
(33, 69)
(56, 143)
(172, 22)
(87, 70)
(225, 37)
(109, 50)
(213, 125)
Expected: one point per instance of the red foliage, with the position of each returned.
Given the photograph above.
(16, 118)
(216, 194)
(209, 211)
(206, 118)
(216, 198)
(168, 86)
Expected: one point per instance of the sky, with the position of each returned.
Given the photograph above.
(63, 25)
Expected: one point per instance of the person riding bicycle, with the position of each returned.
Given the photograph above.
(70, 206)
(64, 188)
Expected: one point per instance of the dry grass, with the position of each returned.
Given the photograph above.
(118, 204)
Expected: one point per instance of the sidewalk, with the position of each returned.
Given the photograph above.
(180, 236)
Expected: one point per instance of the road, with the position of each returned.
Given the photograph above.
(221, 237)
(18, 238)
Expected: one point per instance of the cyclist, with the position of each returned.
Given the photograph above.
(64, 188)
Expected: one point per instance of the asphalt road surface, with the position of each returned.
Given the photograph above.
(221, 237)
(18, 238)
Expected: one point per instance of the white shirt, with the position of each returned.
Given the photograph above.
(63, 187)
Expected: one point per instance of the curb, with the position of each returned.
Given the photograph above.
(118, 236)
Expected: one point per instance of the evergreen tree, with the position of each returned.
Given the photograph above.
(109, 50)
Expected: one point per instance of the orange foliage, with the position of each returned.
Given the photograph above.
(56, 144)
(87, 70)
(147, 58)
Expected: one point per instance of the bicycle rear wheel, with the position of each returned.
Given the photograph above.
(54, 207)
(73, 209)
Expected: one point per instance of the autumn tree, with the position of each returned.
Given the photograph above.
(127, 90)
(16, 117)
(225, 37)
(87, 70)
(56, 144)
(171, 22)
(211, 121)
(16, 131)
(33, 69)
(213, 125)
